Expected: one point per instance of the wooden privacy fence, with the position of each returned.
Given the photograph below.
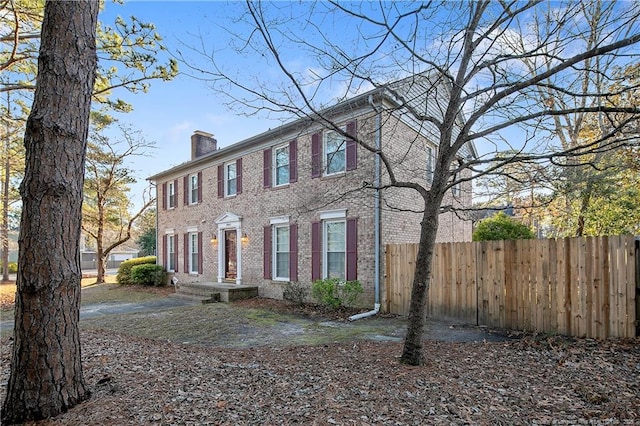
(572, 286)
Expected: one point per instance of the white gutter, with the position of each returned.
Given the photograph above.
(376, 220)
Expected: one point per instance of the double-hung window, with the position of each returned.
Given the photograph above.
(281, 169)
(335, 238)
(430, 165)
(334, 246)
(281, 252)
(171, 194)
(171, 252)
(230, 176)
(194, 255)
(335, 157)
(193, 189)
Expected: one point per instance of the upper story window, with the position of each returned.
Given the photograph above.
(171, 194)
(334, 150)
(334, 153)
(430, 164)
(230, 178)
(456, 189)
(193, 189)
(281, 165)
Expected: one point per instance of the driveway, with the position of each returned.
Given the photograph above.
(220, 324)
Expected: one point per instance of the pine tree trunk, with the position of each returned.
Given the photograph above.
(46, 372)
(5, 214)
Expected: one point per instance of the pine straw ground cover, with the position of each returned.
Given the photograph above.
(549, 380)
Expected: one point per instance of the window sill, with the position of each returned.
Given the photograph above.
(283, 186)
(334, 175)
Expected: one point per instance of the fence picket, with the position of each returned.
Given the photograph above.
(575, 286)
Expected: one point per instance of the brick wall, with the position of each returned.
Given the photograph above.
(302, 201)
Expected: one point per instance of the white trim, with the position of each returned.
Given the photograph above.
(191, 188)
(274, 244)
(169, 255)
(225, 222)
(342, 147)
(193, 249)
(274, 165)
(333, 214)
(169, 231)
(325, 246)
(192, 229)
(225, 176)
(279, 220)
(171, 186)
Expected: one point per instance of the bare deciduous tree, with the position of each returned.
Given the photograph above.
(476, 87)
(106, 217)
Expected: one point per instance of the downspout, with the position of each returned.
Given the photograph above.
(376, 220)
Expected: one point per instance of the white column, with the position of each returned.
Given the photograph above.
(239, 255)
(220, 254)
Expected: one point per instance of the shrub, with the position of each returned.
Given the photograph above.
(295, 292)
(124, 271)
(13, 268)
(149, 275)
(501, 227)
(335, 292)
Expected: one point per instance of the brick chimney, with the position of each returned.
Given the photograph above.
(202, 143)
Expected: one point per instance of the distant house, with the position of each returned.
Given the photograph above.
(290, 204)
(89, 256)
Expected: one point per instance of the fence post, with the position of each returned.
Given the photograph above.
(637, 255)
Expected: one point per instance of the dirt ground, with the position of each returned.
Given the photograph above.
(187, 374)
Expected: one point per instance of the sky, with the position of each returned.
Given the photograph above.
(170, 112)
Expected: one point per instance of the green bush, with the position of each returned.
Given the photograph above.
(149, 275)
(13, 268)
(124, 271)
(501, 227)
(335, 292)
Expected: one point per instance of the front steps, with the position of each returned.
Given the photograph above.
(216, 292)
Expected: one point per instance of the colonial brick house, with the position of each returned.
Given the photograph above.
(296, 203)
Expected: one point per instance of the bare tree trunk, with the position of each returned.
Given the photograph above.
(412, 353)
(101, 257)
(46, 371)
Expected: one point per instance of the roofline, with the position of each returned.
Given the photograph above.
(300, 123)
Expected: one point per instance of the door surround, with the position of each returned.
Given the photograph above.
(229, 222)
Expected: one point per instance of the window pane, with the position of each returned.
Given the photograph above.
(281, 251)
(336, 265)
(171, 253)
(335, 249)
(335, 157)
(172, 195)
(282, 165)
(282, 265)
(194, 189)
(231, 179)
(194, 253)
(336, 236)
